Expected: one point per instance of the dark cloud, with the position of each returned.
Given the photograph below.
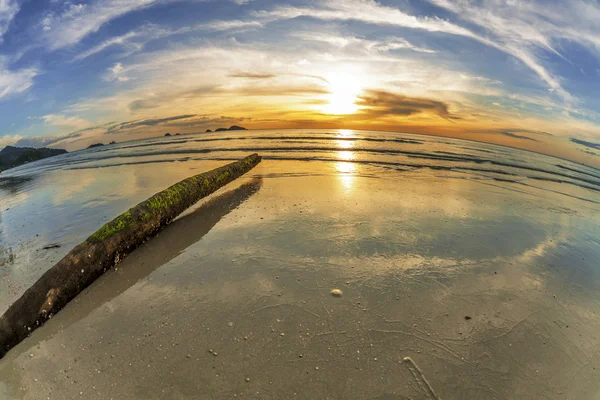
(42, 141)
(257, 87)
(251, 75)
(146, 122)
(515, 136)
(51, 140)
(145, 104)
(204, 121)
(380, 103)
(591, 145)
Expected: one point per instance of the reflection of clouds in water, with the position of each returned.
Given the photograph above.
(387, 241)
(66, 186)
(14, 200)
(560, 235)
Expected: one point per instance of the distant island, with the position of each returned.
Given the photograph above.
(231, 128)
(208, 131)
(11, 157)
(167, 134)
(91, 146)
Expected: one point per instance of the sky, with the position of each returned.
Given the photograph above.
(518, 73)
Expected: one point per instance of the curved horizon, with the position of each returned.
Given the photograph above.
(520, 75)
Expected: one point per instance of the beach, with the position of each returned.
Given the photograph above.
(464, 270)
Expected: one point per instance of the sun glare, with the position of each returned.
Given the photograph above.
(345, 155)
(344, 88)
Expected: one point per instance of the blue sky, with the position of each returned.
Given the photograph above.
(71, 73)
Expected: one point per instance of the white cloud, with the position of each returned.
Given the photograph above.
(506, 39)
(15, 81)
(367, 11)
(36, 141)
(379, 46)
(62, 121)
(135, 40)
(525, 28)
(79, 20)
(123, 40)
(8, 10)
(226, 25)
(116, 73)
(400, 44)
(8, 140)
(117, 68)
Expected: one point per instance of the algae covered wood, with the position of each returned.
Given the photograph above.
(106, 247)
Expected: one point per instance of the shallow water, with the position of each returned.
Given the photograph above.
(418, 232)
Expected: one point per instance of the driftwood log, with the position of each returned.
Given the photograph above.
(105, 248)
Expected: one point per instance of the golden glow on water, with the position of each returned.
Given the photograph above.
(345, 144)
(345, 133)
(346, 169)
(345, 155)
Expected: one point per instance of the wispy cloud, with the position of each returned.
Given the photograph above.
(15, 81)
(367, 11)
(76, 21)
(8, 10)
(131, 41)
(63, 121)
(147, 122)
(522, 29)
(373, 12)
(342, 41)
(136, 40)
(223, 25)
(8, 140)
(251, 75)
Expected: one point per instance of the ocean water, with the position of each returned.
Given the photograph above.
(480, 263)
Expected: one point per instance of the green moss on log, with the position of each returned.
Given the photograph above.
(103, 249)
(117, 225)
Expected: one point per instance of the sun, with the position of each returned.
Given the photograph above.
(344, 88)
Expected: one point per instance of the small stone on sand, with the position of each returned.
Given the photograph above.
(336, 293)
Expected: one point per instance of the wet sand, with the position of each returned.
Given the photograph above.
(489, 287)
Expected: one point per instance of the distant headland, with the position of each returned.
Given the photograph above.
(11, 157)
(231, 128)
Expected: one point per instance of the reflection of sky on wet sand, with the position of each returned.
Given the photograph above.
(414, 253)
